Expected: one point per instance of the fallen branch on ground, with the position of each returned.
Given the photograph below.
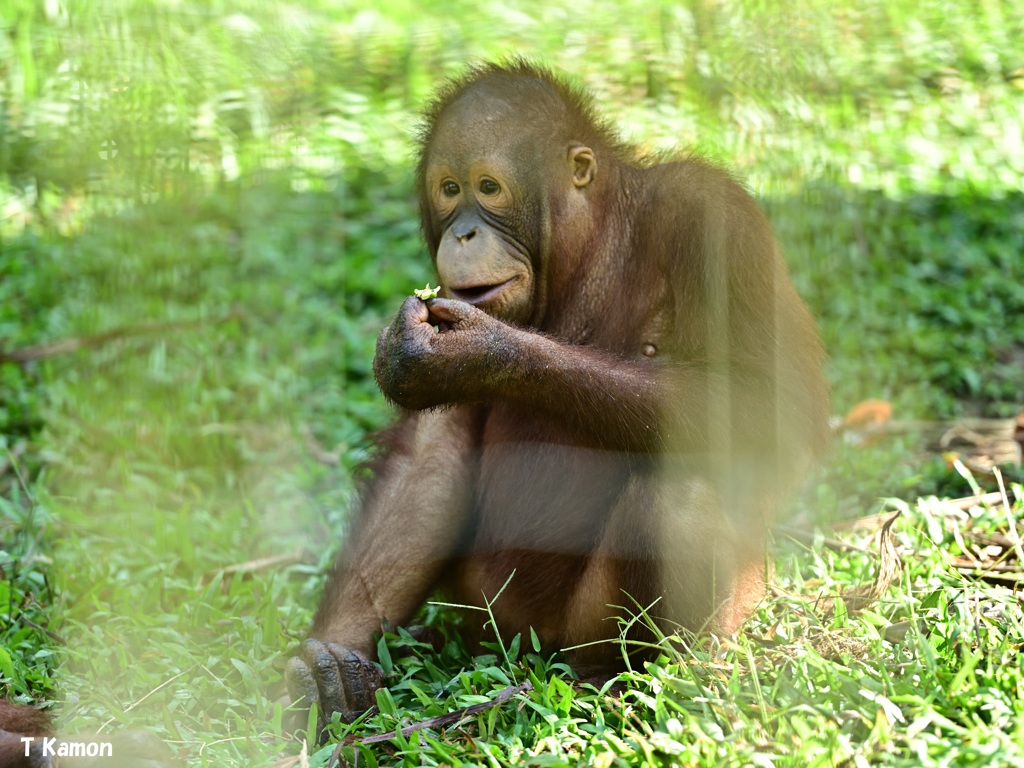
(449, 718)
(75, 343)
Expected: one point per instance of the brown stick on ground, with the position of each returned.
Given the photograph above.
(890, 566)
(75, 343)
(449, 718)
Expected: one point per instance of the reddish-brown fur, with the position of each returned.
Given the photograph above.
(630, 385)
(16, 721)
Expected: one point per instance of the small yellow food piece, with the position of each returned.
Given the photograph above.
(427, 292)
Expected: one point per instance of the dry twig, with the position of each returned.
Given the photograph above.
(273, 562)
(75, 343)
(449, 718)
(890, 566)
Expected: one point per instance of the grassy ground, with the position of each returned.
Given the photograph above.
(225, 193)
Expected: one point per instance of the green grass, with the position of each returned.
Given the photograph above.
(798, 688)
(239, 173)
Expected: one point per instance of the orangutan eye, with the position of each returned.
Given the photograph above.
(489, 187)
(449, 188)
